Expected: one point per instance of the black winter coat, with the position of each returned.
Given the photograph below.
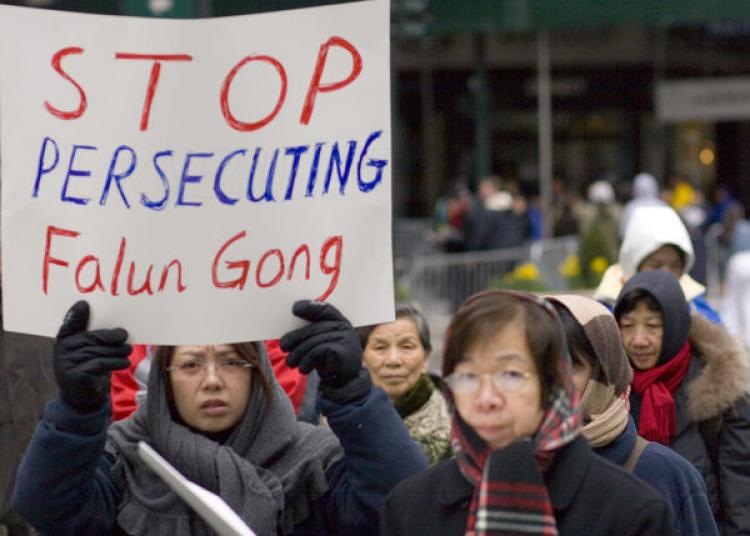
(589, 495)
(712, 428)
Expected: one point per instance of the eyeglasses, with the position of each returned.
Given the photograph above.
(506, 381)
(199, 369)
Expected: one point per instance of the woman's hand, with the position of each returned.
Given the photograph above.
(329, 344)
(84, 360)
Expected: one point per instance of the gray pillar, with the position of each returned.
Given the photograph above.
(662, 131)
(545, 131)
(482, 154)
(397, 186)
(432, 134)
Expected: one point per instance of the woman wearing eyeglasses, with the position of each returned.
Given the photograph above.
(521, 464)
(219, 416)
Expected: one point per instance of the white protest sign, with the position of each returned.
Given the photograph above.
(211, 507)
(191, 179)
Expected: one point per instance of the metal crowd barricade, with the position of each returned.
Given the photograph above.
(439, 282)
(548, 256)
(410, 240)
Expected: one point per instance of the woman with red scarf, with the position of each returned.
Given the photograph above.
(689, 390)
(521, 465)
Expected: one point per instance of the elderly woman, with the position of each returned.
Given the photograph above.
(219, 416)
(396, 354)
(521, 465)
(690, 389)
(602, 375)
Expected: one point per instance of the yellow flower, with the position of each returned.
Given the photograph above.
(571, 266)
(598, 265)
(526, 271)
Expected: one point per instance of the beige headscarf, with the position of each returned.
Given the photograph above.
(605, 399)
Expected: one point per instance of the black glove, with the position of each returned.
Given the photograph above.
(329, 344)
(84, 360)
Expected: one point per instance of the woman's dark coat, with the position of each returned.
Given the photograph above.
(671, 475)
(589, 496)
(712, 428)
(66, 455)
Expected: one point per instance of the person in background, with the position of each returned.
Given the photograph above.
(681, 192)
(735, 302)
(451, 218)
(397, 354)
(645, 194)
(602, 375)
(495, 221)
(722, 201)
(129, 386)
(734, 235)
(520, 465)
(534, 210)
(217, 413)
(564, 201)
(598, 224)
(690, 390)
(656, 239)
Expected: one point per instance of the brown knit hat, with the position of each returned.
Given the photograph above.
(602, 331)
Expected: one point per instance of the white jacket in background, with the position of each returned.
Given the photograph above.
(735, 302)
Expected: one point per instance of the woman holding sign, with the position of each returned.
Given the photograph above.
(219, 416)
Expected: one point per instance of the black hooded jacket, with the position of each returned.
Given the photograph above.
(712, 406)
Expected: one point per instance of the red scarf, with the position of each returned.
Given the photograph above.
(656, 387)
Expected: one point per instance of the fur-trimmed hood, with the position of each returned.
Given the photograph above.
(725, 375)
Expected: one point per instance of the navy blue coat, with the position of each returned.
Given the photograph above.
(64, 485)
(673, 476)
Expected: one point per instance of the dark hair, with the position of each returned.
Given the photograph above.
(402, 311)
(485, 315)
(630, 300)
(246, 350)
(579, 345)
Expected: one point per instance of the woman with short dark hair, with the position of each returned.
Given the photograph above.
(520, 463)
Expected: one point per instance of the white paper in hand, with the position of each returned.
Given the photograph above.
(209, 506)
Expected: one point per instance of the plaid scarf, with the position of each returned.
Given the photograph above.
(510, 496)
